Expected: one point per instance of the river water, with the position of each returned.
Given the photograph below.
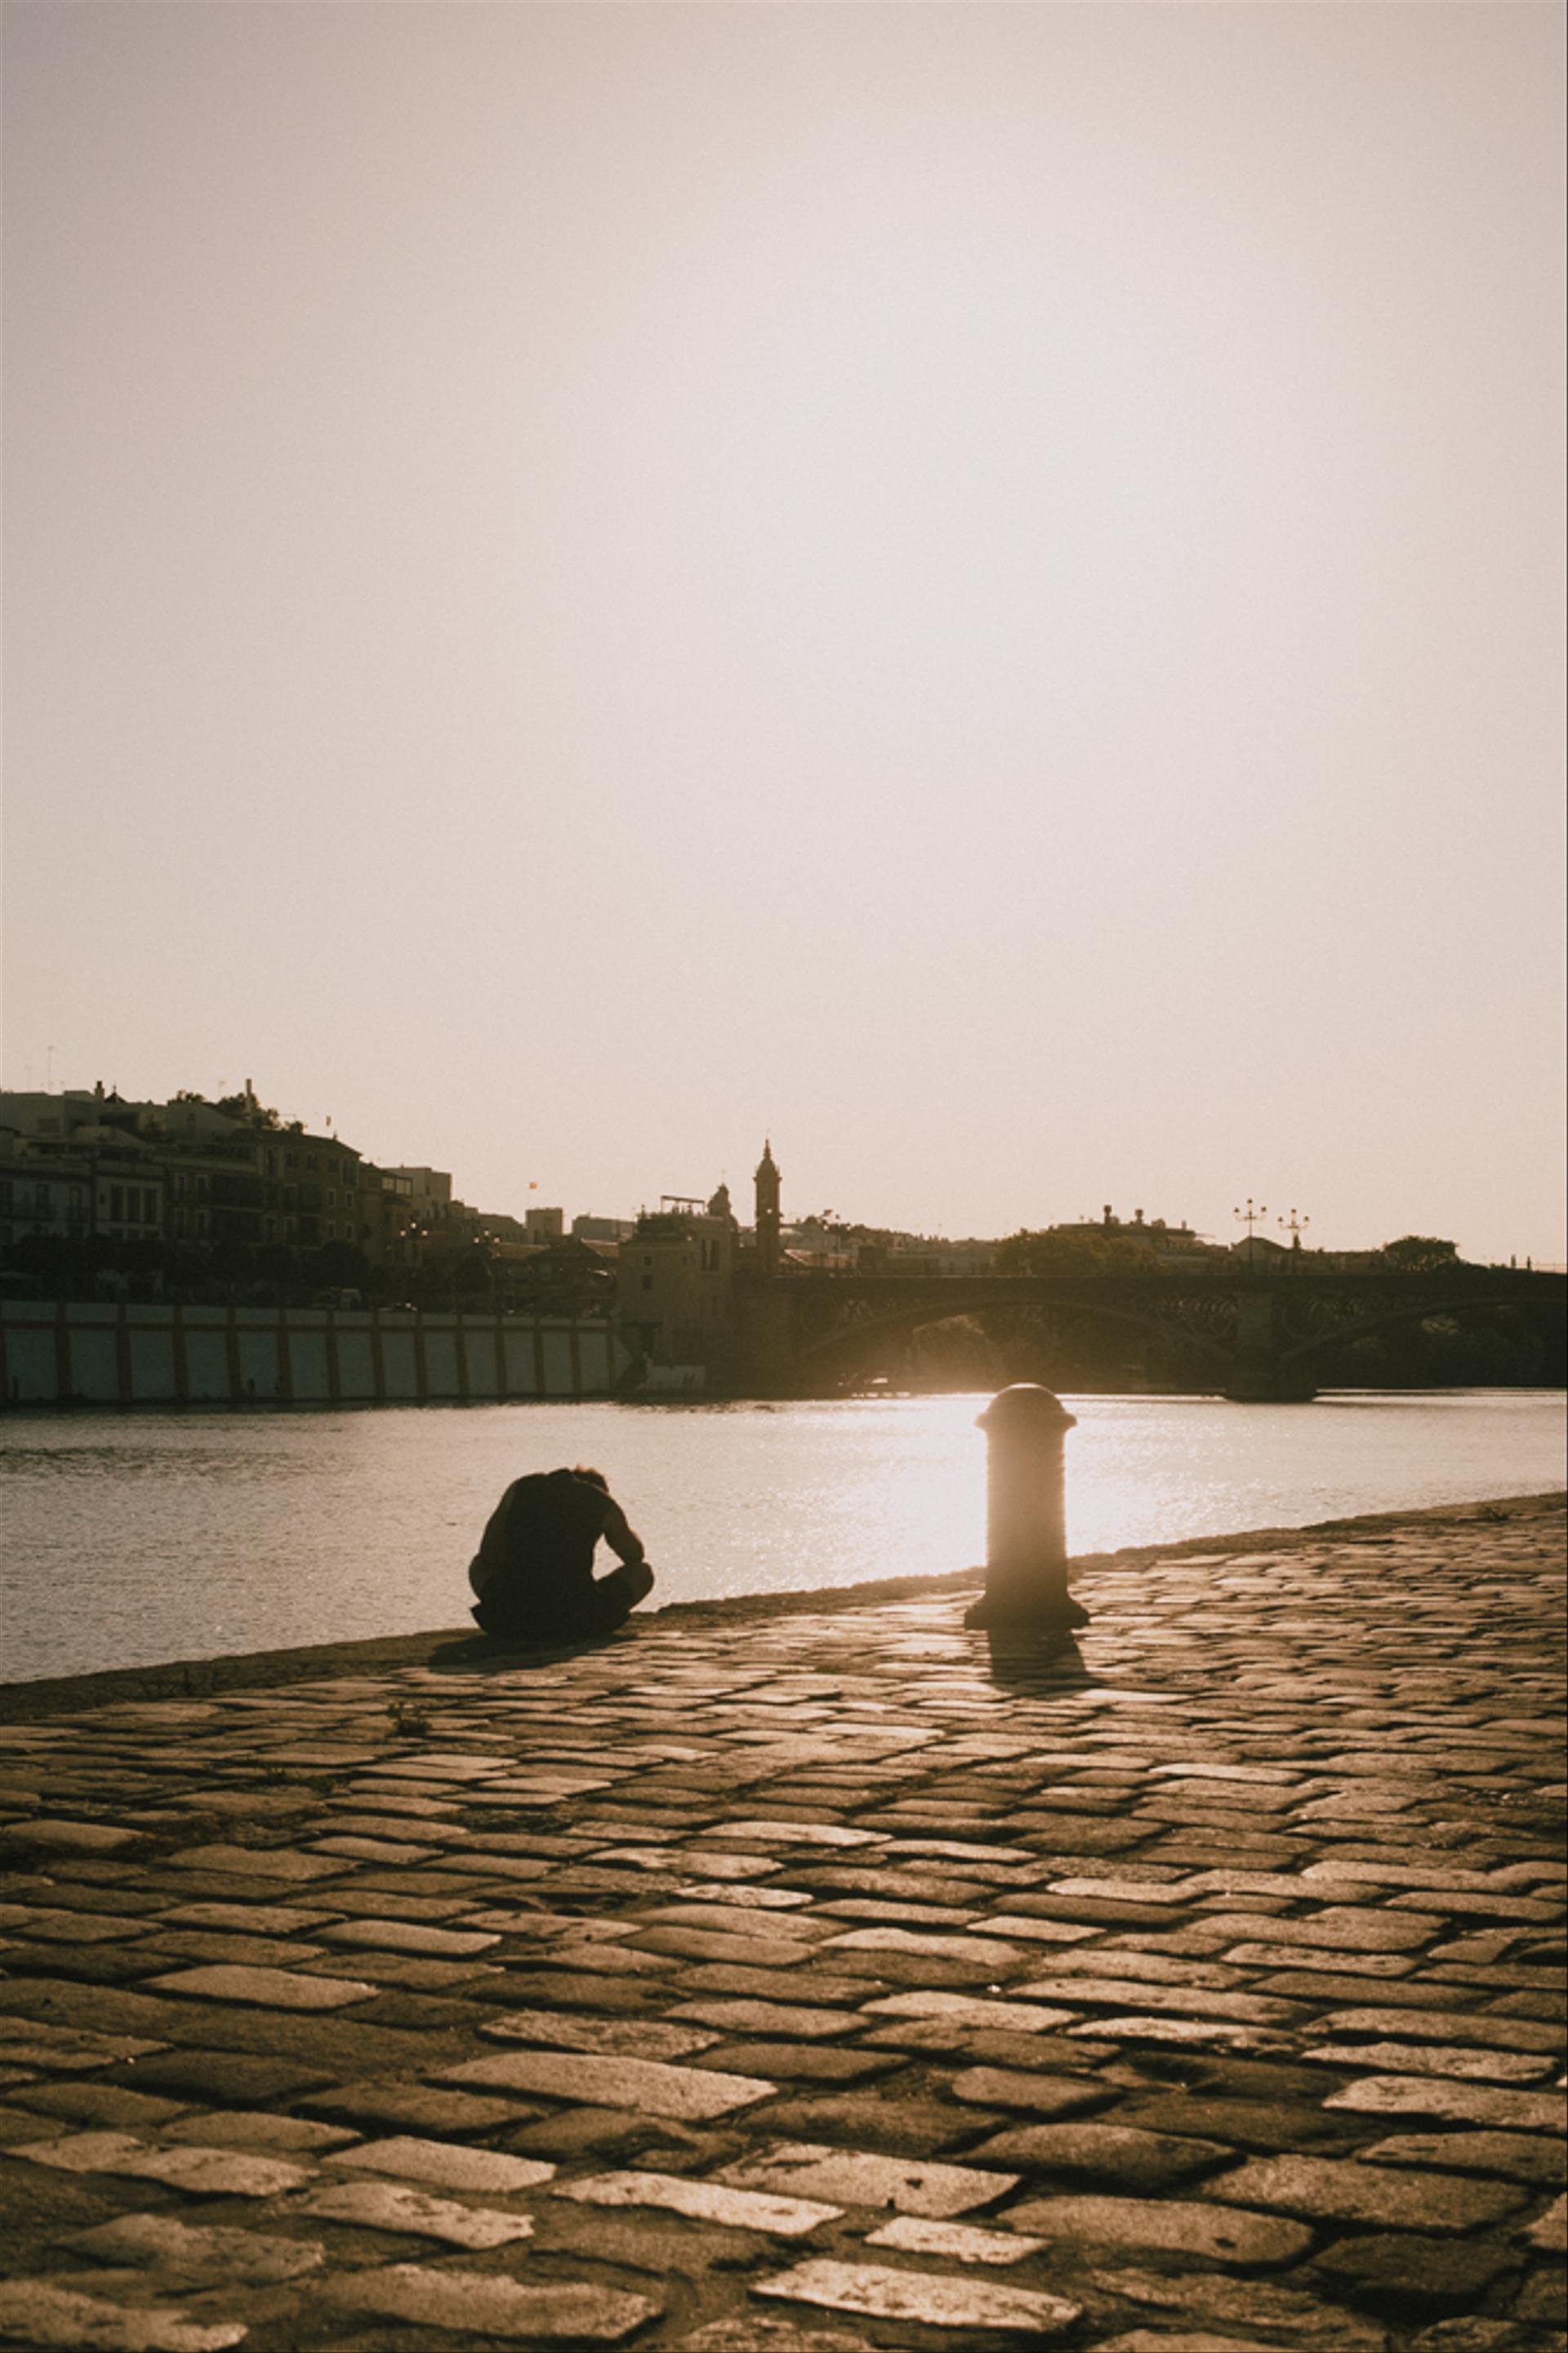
(132, 1539)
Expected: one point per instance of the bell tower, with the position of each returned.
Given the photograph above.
(767, 1179)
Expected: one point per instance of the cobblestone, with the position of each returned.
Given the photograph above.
(1518, 2156)
(1114, 2156)
(1208, 2234)
(928, 2298)
(186, 2255)
(704, 2201)
(391, 2206)
(1295, 2316)
(616, 2083)
(861, 2178)
(912, 2234)
(1212, 1990)
(444, 2164)
(1433, 2058)
(1438, 2095)
(35, 2313)
(1327, 2191)
(268, 1989)
(490, 2305)
(204, 2172)
(1412, 2275)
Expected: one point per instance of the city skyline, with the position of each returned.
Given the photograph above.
(978, 590)
(1251, 1222)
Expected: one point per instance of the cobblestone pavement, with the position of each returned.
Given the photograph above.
(808, 1981)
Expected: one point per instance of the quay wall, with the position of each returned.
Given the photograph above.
(111, 1353)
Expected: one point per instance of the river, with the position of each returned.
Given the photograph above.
(136, 1538)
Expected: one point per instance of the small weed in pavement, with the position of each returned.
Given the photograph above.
(409, 1719)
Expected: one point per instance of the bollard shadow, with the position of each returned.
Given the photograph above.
(1044, 1664)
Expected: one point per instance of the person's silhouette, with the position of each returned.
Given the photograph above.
(533, 1572)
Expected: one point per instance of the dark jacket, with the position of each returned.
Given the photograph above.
(537, 1551)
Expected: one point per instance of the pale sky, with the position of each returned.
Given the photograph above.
(977, 589)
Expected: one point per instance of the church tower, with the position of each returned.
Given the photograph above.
(767, 1178)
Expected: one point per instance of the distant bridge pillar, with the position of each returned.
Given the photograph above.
(1258, 1375)
(1026, 1567)
(766, 1354)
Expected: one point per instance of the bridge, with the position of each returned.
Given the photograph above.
(1250, 1335)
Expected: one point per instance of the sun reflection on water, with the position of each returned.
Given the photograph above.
(135, 1539)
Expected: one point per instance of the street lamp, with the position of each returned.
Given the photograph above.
(1249, 1218)
(1295, 1226)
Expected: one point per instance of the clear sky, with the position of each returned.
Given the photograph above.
(978, 589)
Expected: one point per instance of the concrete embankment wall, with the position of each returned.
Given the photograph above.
(114, 1353)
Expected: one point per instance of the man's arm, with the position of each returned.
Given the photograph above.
(621, 1538)
(491, 1557)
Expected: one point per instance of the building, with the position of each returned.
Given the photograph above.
(602, 1231)
(388, 1235)
(221, 1178)
(1154, 1234)
(311, 1193)
(767, 1179)
(54, 1116)
(93, 1187)
(1259, 1250)
(674, 1272)
(929, 1256)
(43, 1196)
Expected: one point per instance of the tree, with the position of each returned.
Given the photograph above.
(1419, 1254)
(244, 1108)
(338, 1266)
(1051, 1251)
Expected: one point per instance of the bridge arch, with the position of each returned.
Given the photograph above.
(844, 1336)
(1421, 1312)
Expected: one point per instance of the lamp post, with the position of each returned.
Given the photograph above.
(1249, 1217)
(1295, 1225)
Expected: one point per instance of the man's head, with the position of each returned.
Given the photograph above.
(595, 1478)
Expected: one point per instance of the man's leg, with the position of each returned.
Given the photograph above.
(616, 1596)
(501, 1624)
(606, 1604)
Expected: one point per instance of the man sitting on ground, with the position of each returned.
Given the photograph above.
(533, 1572)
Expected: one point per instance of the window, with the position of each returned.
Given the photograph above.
(648, 1283)
(149, 1206)
(116, 1201)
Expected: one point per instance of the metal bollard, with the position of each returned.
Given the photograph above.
(1026, 1566)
